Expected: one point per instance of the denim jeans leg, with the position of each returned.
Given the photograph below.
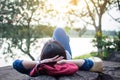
(60, 35)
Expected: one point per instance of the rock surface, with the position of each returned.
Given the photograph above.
(115, 56)
(111, 72)
(112, 69)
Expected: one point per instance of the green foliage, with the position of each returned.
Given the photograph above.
(16, 17)
(67, 29)
(116, 42)
(8, 10)
(92, 54)
(87, 33)
(18, 34)
(103, 44)
(43, 31)
(109, 45)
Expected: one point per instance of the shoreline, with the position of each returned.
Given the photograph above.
(79, 46)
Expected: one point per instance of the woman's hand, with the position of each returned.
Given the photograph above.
(54, 59)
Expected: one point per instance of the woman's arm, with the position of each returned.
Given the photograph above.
(97, 63)
(31, 64)
(78, 62)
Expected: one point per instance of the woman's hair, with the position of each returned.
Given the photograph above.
(51, 49)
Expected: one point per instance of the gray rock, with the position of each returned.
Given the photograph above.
(111, 72)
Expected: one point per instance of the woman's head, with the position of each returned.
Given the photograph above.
(51, 49)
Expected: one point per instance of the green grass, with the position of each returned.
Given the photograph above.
(92, 54)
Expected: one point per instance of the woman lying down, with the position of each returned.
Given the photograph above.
(56, 59)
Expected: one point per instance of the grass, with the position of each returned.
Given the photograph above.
(92, 54)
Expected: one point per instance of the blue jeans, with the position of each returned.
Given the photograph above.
(60, 35)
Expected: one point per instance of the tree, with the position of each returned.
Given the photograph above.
(28, 9)
(115, 4)
(99, 8)
(16, 18)
(8, 11)
(92, 14)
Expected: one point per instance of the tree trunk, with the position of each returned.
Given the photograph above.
(99, 41)
(28, 41)
(99, 35)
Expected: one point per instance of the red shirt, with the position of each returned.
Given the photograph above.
(54, 70)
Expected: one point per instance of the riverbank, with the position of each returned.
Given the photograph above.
(79, 46)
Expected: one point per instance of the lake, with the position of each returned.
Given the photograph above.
(79, 46)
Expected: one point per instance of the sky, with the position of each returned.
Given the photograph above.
(107, 22)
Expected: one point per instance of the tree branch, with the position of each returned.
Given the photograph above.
(95, 7)
(90, 14)
(116, 19)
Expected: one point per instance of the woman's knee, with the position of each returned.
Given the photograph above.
(59, 31)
